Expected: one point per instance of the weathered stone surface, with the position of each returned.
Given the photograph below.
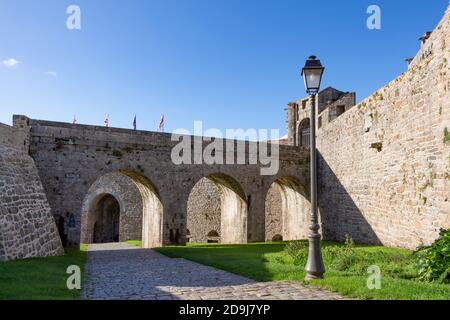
(27, 228)
(286, 215)
(125, 191)
(204, 211)
(329, 101)
(274, 214)
(73, 159)
(384, 168)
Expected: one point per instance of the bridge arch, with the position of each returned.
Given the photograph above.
(140, 209)
(217, 202)
(105, 211)
(287, 210)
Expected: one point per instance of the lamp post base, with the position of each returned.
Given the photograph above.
(310, 277)
(314, 267)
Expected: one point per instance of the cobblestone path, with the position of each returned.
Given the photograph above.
(121, 271)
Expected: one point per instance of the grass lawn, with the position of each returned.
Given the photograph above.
(270, 261)
(40, 278)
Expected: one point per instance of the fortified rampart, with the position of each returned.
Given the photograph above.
(384, 165)
(27, 228)
(80, 164)
(384, 175)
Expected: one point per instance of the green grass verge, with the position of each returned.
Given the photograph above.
(40, 278)
(269, 262)
(136, 243)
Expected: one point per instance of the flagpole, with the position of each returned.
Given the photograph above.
(161, 124)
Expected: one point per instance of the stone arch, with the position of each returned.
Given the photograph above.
(277, 237)
(105, 212)
(287, 210)
(217, 202)
(213, 236)
(304, 133)
(141, 210)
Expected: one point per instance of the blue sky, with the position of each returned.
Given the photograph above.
(229, 63)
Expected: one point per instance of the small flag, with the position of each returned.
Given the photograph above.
(74, 120)
(107, 121)
(161, 123)
(134, 122)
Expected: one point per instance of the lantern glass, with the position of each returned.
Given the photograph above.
(312, 75)
(312, 79)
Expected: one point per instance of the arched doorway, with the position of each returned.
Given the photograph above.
(277, 237)
(121, 206)
(213, 237)
(217, 210)
(287, 210)
(106, 216)
(304, 133)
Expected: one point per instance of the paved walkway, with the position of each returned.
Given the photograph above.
(121, 271)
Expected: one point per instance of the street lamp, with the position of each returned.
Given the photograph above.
(312, 75)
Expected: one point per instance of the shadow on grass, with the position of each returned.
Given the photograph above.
(250, 260)
(269, 262)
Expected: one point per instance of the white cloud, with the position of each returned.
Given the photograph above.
(10, 63)
(51, 73)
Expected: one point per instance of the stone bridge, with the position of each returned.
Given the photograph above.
(110, 184)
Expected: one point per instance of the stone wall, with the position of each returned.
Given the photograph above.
(328, 102)
(16, 137)
(71, 158)
(274, 219)
(203, 211)
(384, 165)
(7, 137)
(125, 191)
(27, 228)
(336, 109)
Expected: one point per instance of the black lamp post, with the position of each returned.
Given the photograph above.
(312, 75)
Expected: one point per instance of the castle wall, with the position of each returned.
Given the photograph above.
(7, 137)
(126, 193)
(203, 210)
(274, 214)
(70, 158)
(27, 228)
(328, 101)
(384, 167)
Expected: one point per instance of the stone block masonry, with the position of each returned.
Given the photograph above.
(384, 165)
(27, 227)
(204, 212)
(384, 175)
(79, 165)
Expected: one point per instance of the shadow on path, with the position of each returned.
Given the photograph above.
(122, 271)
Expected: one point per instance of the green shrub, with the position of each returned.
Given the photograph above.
(298, 251)
(434, 261)
(344, 258)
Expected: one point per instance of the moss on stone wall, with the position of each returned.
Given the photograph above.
(446, 135)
